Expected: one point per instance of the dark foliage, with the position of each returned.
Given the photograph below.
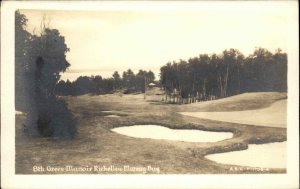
(129, 83)
(39, 62)
(215, 76)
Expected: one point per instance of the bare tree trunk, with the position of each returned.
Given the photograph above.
(220, 85)
(145, 86)
(204, 87)
(226, 82)
(239, 81)
(166, 95)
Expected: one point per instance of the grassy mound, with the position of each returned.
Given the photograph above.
(245, 101)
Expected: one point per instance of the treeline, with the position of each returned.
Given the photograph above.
(128, 83)
(214, 76)
(39, 60)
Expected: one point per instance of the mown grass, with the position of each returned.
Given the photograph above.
(94, 143)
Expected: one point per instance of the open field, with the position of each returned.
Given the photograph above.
(96, 145)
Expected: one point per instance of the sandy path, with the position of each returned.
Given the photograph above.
(273, 116)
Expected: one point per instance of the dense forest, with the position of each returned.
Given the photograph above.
(128, 83)
(201, 78)
(208, 77)
(39, 60)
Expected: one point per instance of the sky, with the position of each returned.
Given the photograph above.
(109, 40)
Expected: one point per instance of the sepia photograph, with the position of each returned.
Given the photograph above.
(151, 89)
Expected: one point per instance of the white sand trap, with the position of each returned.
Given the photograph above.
(19, 113)
(159, 132)
(112, 116)
(272, 155)
(273, 116)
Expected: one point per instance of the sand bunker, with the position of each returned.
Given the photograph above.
(273, 116)
(271, 155)
(112, 116)
(160, 132)
(18, 113)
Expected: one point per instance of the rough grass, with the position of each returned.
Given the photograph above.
(245, 101)
(95, 144)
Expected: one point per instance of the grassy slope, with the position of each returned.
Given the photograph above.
(95, 144)
(245, 101)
